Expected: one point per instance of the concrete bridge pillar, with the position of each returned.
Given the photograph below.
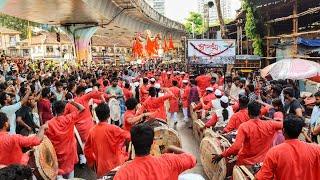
(81, 35)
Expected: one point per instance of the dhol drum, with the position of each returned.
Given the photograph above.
(44, 160)
(214, 143)
(242, 173)
(194, 115)
(115, 111)
(164, 136)
(197, 126)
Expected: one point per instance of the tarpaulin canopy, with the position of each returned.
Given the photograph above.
(309, 42)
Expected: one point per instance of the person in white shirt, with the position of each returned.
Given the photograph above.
(315, 116)
(10, 109)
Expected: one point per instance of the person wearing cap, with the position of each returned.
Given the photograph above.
(215, 103)
(152, 82)
(293, 159)
(208, 97)
(221, 116)
(185, 92)
(254, 139)
(203, 81)
(174, 102)
(167, 82)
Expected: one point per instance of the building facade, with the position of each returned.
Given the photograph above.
(158, 5)
(213, 15)
(9, 40)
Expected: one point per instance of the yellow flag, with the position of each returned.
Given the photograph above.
(29, 33)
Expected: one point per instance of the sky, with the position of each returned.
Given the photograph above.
(178, 10)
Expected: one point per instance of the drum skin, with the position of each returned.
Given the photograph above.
(197, 125)
(213, 143)
(194, 115)
(164, 137)
(44, 160)
(115, 111)
(241, 173)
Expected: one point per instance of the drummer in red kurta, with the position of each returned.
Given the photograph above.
(167, 82)
(61, 134)
(293, 159)
(167, 166)
(208, 97)
(131, 116)
(203, 81)
(127, 91)
(185, 99)
(11, 145)
(156, 104)
(174, 102)
(144, 90)
(84, 122)
(239, 117)
(105, 146)
(253, 140)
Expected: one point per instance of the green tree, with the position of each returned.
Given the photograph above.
(197, 21)
(17, 24)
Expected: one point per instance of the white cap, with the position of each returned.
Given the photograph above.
(190, 176)
(136, 84)
(153, 79)
(169, 72)
(157, 86)
(209, 89)
(182, 72)
(185, 81)
(224, 99)
(217, 92)
(88, 90)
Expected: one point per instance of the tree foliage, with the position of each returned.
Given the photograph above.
(17, 24)
(197, 20)
(251, 27)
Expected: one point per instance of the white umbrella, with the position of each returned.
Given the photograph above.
(294, 69)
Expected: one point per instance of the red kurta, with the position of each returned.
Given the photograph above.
(153, 104)
(290, 160)
(185, 97)
(203, 81)
(128, 114)
(11, 148)
(84, 120)
(164, 167)
(144, 93)
(61, 134)
(44, 106)
(174, 101)
(104, 147)
(254, 139)
(237, 119)
(127, 93)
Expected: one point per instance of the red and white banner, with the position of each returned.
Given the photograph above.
(210, 48)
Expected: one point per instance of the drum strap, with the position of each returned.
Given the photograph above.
(244, 169)
(78, 138)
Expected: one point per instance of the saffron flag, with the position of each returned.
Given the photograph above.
(171, 46)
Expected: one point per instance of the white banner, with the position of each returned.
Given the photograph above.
(211, 48)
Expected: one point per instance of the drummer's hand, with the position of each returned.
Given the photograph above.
(216, 158)
(45, 126)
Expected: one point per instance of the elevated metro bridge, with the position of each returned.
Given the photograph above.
(80, 19)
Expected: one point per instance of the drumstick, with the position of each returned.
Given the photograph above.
(78, 138)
